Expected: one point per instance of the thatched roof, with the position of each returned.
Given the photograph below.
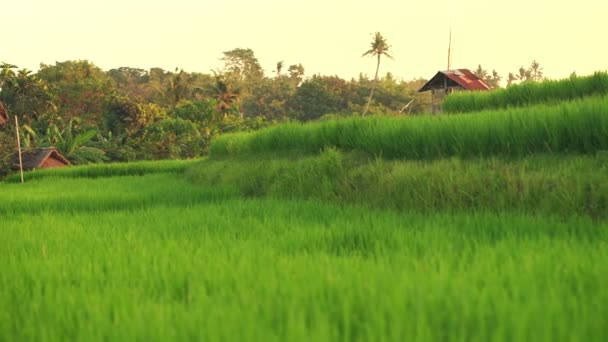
(41, 158)
(3, 115)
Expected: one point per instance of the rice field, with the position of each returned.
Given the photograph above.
(137, 168)
(485, 227)
(542, 184)
(529, 93)
(154, 257)
(579, 126)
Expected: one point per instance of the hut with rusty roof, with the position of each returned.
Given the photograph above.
(448, 81)
(41, 158)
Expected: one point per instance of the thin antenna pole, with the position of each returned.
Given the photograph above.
(19, 147)
(450, 50)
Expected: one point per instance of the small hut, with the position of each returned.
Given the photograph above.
(3, 116)
(448, 81)
(41, 158)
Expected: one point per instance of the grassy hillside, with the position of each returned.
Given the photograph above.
(153, 257)
(575, 127)
(529, 93)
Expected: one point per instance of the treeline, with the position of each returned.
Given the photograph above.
(129, 114)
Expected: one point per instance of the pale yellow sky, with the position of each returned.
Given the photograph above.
(326, 36)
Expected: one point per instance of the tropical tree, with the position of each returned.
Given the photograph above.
(179, 87)
(379, 48)
(242, 69)
(6, 73)
(313, 99)
(492, 80)
(173, 138)
(26, 96)
(511, 78)
(73, 146)
(269, 98)
(524, 74)
(226, 96)
(296, 73)
(536, 72)
(79, 89)
(481, 72)
(280, 66)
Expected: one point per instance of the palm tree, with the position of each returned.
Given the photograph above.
(280, 66)
(6, 72)
(524, 75)
(379, 47)
(225, 95)
(536, 71)
(481, 72)
(511, 79)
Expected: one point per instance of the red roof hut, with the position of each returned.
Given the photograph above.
(41, 158)
(445, 82)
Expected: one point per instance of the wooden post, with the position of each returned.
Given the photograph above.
(19, 147)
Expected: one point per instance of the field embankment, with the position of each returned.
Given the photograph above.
(529, 93)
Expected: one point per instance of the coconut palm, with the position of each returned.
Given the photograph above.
(225, 95)
(379, 48)
(536, 71)
(524, 74)
(280, 66)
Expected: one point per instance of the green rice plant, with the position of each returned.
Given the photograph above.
(106, 194)
(106, 170)
(175, 261)
(528, 93)
(541, 184)
(579, 126)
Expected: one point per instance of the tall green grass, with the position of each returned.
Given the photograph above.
(529, 93)
(549, 185)
(106, 170)
(100, 195)
(274, 270)
(576, 127)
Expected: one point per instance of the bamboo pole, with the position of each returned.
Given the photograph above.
(19, 147)
(450, 50)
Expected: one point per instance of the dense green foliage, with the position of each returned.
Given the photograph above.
(155, 258)
(576, 127)
(528, 93)
(6, 151)
(136, 114)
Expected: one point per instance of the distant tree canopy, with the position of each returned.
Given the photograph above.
(132, 113)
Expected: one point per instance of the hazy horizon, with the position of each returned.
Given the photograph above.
(326, 37)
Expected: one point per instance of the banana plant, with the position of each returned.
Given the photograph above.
(72, 146)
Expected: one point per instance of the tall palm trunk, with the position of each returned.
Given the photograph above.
(371, 93)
